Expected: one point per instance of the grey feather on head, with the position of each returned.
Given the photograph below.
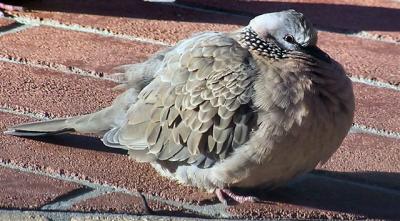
(274, 34)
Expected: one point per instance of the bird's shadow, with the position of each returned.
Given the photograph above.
(336, 17)
(78, 141)
(367, 194)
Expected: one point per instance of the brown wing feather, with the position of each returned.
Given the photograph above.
(193, 110)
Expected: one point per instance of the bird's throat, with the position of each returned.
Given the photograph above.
(252, 41)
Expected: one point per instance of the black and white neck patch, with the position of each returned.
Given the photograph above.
(251, 40)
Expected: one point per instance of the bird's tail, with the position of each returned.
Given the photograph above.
(43, 128)
(98, 122)
(90, 123)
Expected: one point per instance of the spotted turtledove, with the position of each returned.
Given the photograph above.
(249, 109)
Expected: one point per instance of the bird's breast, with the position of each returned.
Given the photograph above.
(296, 132)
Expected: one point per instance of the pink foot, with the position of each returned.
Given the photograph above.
(221, 193)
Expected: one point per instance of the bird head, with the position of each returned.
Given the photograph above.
(276, 35)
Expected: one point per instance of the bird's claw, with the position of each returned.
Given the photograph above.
(222, 193)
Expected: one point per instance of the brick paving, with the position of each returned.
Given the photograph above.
(54, 62)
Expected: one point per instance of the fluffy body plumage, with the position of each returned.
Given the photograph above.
(250, 109)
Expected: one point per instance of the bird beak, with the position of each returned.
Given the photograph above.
(317, 53)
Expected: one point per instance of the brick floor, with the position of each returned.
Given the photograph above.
(65, 47)
(343, 16)
(122, 203)
(164, 23)
(5, 23)
(32, 89)
(76, 156)
(52, 61)
(377, 107)
(356, 54)
(367, 158)
(29, 191)
(342, 201)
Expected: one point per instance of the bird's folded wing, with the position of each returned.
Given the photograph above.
(197, 109)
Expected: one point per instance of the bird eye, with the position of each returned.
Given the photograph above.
(289, 38)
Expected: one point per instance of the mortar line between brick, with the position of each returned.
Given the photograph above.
(375, 83)
(13, 28)
(356, 128)
(248, 15)
(86, 183)
(78, 71)
(217, 210)
(209, 210)
(97, 75)
(80, 28)
(14, 214)
(55, 67)
(15, 111)
(359, 128)
(68, 201)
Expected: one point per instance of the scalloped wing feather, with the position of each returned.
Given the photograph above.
(187, 113)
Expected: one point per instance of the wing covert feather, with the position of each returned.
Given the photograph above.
(198, 106)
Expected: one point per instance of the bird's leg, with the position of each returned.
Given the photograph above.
(237, 198)
(221, 196)
(5, 7)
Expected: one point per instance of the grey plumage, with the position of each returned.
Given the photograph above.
(252, 108)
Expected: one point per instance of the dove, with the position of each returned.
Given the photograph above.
(249, 109)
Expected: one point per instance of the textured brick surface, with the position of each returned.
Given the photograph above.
(375, 3)
(377, 107)
(274, 210)
(124, 203)
(138, 18)
(86, 158)
(360, 181)
(22, 217)
(337, 198)
(50, 92)
(70, 48)
(350, 16)
(362, 57)
(4, 23)
(27, 191)
(367, 158)
(354, 53)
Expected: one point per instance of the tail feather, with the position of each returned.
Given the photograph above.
(44, 128)
(26, 133)
(98, 122)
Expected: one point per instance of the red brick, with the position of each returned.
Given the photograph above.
(138, 18)
(377, 107)
(353, 52)
(124, 203)
(317, 197)
(4, 23)
(342, 15)
(374, 3)
(87, 158)
(362, 57)
(71, 48)
(50, 92)
(21, 190)
(275, 210)
(367, 158)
